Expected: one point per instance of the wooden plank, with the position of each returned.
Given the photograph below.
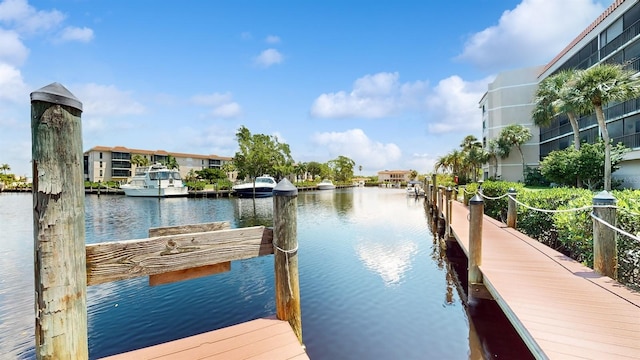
(266, 338)
(188, 274)
(186, 229)
(118, 260)
(560, 308)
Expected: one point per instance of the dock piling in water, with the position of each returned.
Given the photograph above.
(285, 249)
(59, 225)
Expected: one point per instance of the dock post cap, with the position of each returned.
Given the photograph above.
(285, 188)
(604, 198)
(512, 190)
(55, 93)
(449, 188)
(476, 199)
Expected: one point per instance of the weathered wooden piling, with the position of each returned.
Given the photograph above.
(512, 210)
(285, 248)
(476, 210)
(605, 248)
(434, 191)
(59, 224)
(447, 232)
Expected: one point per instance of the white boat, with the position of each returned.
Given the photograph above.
(326, 184)
(263, 187)
(414, 188)
(155, 181)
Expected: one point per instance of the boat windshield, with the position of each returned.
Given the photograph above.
(264, 180)
(164, 175)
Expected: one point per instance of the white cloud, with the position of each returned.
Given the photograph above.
(71, 33)
(107, 101)
(222, 104)
(12, 50)
(531, 34)
(272, 39)
(453, 105)
(373, 96)
(269, 57)
(12, 86)
(26, 19)
(356, 145)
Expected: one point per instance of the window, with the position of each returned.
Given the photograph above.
(100, 164)
(100, 155)
(615, 129)
(100, 173)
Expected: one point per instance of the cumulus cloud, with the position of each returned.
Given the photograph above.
(356, 145)
(373, 96)
(519, 39)
(12, 86)
(71, 33)
(222, 104)
(12, 50)
(453, 105)
(272, 39)
(269, 57)
(107, 100)
(23, 17)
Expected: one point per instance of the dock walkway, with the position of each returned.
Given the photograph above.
(560, 308)
(268, 339)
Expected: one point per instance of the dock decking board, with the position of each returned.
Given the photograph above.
(561, 308)
(266, 338)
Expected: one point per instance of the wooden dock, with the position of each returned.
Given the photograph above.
(268, 339)
(560, 308)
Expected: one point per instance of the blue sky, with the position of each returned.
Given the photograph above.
(389, 84)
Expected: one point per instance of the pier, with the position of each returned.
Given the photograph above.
(560, 308)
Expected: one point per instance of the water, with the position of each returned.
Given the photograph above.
(373, 283)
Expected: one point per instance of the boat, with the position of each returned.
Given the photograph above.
(155, 181)
(262, 187)
(414, 188)
(326, 184)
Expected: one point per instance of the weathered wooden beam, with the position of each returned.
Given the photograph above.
(59, 227)
(186, 229)
(119, 260)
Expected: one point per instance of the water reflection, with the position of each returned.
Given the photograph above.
(389, 260)
(253, 212)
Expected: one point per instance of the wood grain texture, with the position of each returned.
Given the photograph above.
(118, 260)
(191, 228)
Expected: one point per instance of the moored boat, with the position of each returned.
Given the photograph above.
(326, 184)
(261, 187)
(155, 181)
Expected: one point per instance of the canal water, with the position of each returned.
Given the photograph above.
(373, 282)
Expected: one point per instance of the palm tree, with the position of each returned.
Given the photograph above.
(516, 135)
(598, 86)
(5, 168)
(496, 149)
(473, 155)
(551, 100)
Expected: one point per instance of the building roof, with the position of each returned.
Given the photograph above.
(583, 34)
(156, 152)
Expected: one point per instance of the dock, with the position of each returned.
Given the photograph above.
(560, 308)
(267, 338)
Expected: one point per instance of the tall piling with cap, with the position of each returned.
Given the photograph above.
(59, 224)
(476, 214)
(605, 248)
(285, 248)
(512, 210)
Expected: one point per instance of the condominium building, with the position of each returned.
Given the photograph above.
(103, 163)
(394, 177)
(509, 100)
(614, 37)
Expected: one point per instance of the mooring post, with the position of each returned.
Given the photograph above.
(512, 210)
(447, 232)
(605, 248)
(476, 210)
(434, 189)
(285, 248)
(59, 228)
